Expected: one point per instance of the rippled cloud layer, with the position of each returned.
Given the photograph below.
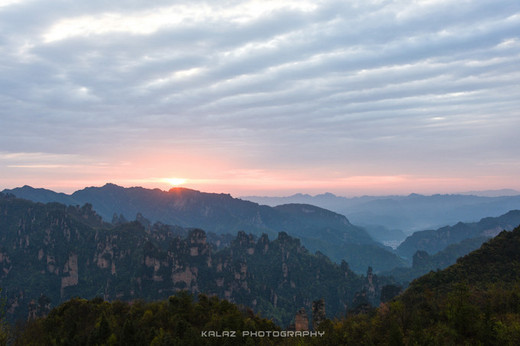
(279, 95)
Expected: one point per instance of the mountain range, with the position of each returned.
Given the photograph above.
(319, 229)
(473, 302)
(51, 252)
(392, 218)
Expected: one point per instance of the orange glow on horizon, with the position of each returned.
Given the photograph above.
(174, 182)
(219, 174)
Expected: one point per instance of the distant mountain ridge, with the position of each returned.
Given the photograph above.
(318, 228)
(408, 214)
(433, 241)
(492, 193)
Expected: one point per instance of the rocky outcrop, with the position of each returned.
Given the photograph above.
(188, 277)
(70, 268)
(371, 287)
(301, 320)
(318, 313)
(246, 242)
(5, 264)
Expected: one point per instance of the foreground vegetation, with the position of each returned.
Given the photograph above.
(465, 316)
(176, 321)
(474, 302)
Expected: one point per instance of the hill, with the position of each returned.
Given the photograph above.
(473, 302)
(423, 263)
(318, 228)
(496, 262)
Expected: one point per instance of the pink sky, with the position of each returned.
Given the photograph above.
(221, 176)
(262, 97)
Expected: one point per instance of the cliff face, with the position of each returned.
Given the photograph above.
(51, 253)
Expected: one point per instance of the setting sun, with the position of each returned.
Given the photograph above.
(175, 181)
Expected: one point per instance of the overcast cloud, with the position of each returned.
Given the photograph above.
(424, 95)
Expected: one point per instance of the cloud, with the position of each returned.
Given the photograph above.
(282, 84)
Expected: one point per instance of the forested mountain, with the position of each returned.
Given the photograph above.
(473, 302)
(433, 241)
(50, 253)
(495, 264)
(438, 249)
(423, 263)
(318, 229)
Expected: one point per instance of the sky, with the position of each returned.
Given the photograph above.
(261, 97)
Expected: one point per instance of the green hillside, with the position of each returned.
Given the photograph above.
(473, 302)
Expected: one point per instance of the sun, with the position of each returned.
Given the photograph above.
(175, 181)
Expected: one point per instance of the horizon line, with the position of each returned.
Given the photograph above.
(478, 193)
